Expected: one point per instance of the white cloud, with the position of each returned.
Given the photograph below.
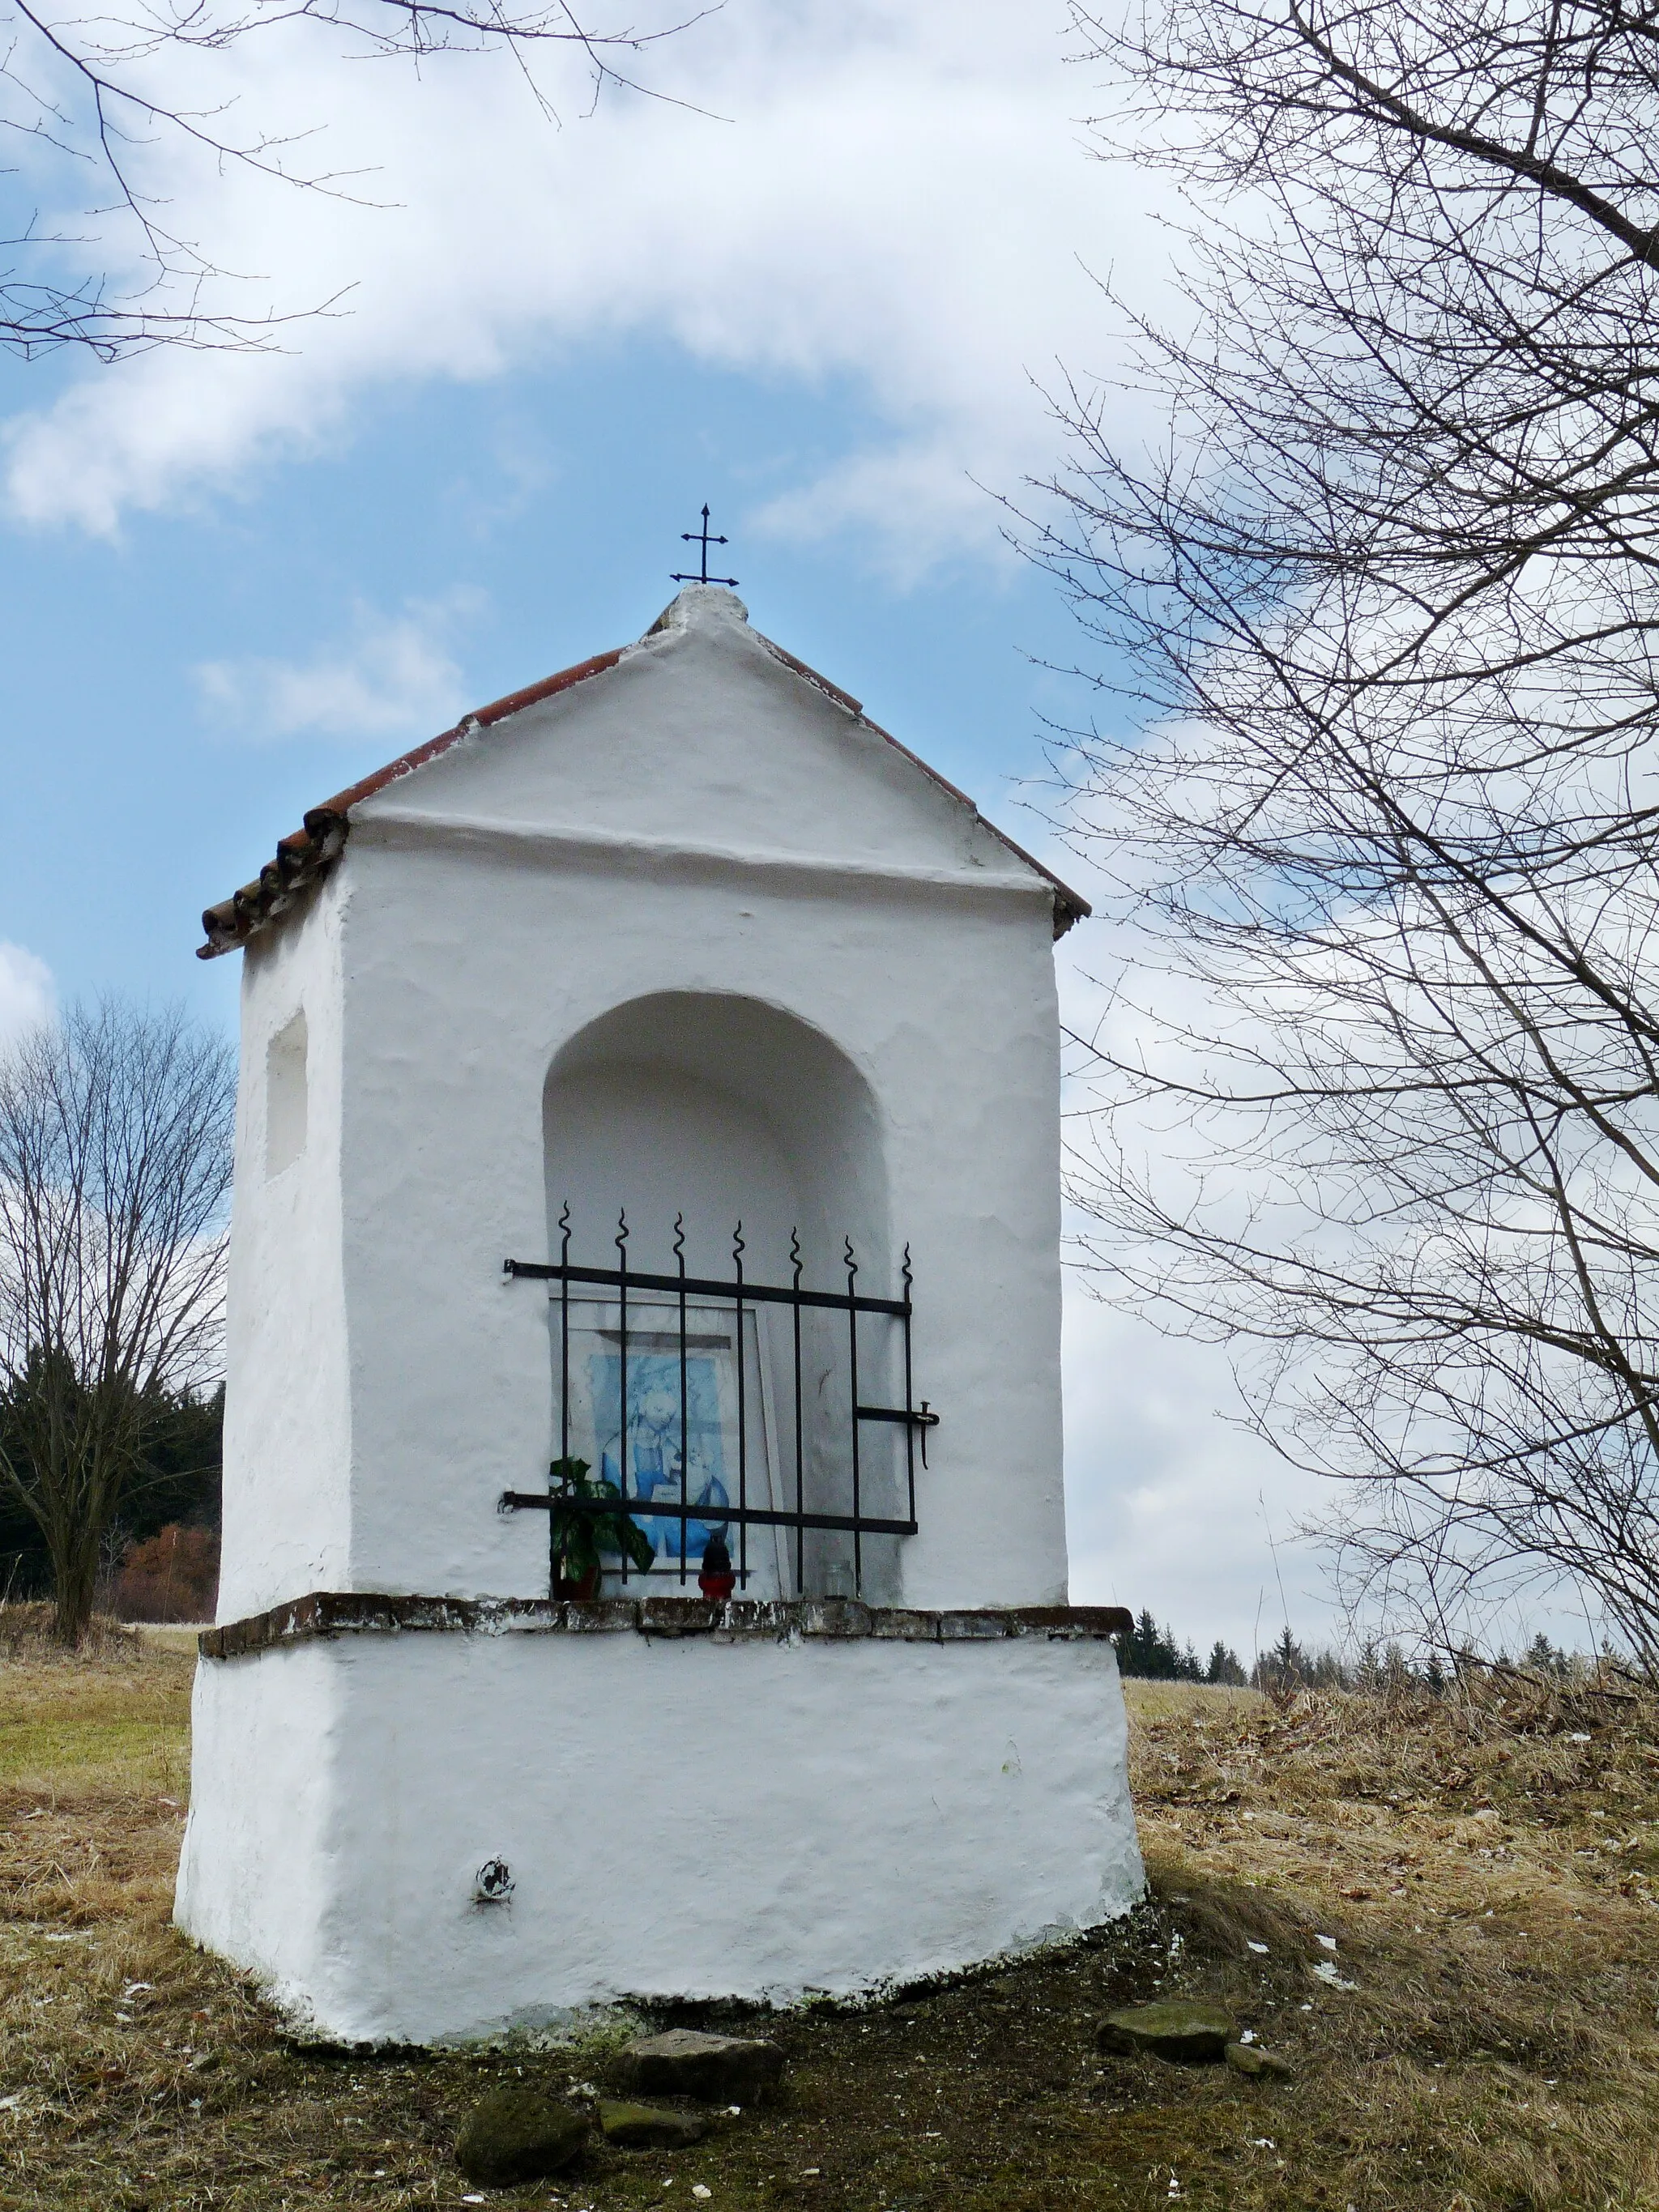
(901, 198)
(394, 677)
(26, 990)
(1172, 1502)
(1170, 1505)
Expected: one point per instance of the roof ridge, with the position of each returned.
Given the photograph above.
(303, 855)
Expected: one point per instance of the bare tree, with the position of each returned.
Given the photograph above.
(115, 1153)
(87, 100)
(1375, 1097)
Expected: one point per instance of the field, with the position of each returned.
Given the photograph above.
(1483, 2035)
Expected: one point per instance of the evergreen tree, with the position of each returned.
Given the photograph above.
(1149, 1652)
(176, 1482)
(1543, 1657)
(1284, 1667)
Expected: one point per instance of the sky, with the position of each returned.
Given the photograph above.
(827, 292)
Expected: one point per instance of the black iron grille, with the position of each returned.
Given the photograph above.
(679, 1359)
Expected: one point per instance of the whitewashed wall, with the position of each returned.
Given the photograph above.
(758, 1820)
(690, 922)
(697, 820)
(288, 1407)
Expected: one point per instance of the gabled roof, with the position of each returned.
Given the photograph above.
(306, 854)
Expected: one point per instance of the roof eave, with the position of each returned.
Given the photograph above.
(305, 854)
(1070, 906)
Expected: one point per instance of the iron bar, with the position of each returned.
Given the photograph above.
(739, 1248)
(512, 1501)
(564, 1392)
(564, 1337)
(622, 1441)
(853, 1378)
(800, 1493)
(769, 1293)
(910, 1425)
(685, 1424)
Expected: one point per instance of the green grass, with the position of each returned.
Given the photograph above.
(114, 1721)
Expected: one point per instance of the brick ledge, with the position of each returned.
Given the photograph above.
(326, 1614)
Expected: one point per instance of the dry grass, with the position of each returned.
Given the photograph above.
(1486, 1878)
(1487, 1864)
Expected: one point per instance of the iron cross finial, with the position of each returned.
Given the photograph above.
(702, 537)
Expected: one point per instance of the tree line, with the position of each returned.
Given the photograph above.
(174, 1485)
(1150, 1653)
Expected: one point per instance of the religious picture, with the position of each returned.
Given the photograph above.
(667, 1430)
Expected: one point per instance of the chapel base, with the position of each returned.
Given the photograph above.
(767, 1815)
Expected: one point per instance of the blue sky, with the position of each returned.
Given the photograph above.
(516, 526)
(233, 584)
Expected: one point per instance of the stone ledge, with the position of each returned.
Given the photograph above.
(327, 1614)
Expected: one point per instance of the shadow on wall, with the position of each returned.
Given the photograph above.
(724, 1110)
(712, 1110)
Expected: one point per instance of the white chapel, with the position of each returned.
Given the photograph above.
(643, 1443)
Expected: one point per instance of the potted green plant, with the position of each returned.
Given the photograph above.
(581, 1539)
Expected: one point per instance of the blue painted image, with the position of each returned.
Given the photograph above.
(654, 1442)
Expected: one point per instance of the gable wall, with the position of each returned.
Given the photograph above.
(701, 738)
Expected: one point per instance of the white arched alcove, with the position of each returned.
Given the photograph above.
(715, 1115)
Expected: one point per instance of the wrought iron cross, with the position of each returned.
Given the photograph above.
(702, 537)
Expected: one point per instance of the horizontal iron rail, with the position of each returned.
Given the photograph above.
(914, 1417)
(651, 1508)
(777, 1294)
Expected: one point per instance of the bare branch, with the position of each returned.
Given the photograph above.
(1376, 1096)
(114, 1182)
(86, 91)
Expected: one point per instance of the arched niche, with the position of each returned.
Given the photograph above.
(721, 1112)
(723, 1109)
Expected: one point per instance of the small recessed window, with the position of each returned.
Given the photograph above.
(285, 1096)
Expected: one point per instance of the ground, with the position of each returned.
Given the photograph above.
(1483, 2034)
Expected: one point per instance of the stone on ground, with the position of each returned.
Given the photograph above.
(1183, 2028)
(648, 2127)
(718, 2069)
(516, 2134)
(1251, 2058)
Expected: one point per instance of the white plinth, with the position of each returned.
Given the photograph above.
(798, 1799)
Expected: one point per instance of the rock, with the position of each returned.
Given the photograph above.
(516, 2134)
(720, 2069)
(1251, 2058)
(1181, 2028)
(648, 2127)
